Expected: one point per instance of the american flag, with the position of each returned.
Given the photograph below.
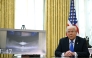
(72, 16)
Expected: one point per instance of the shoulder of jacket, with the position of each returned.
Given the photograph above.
(80, 38)
(63, 38)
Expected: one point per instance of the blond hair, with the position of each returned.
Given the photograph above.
(69, 27)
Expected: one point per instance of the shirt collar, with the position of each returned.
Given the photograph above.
(73, 40)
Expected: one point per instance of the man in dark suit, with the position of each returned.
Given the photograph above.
(72, 45)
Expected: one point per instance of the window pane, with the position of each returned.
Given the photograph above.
(29, 13)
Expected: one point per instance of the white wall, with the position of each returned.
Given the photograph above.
(29, 13)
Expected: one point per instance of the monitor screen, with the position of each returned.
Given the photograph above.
(23, 42)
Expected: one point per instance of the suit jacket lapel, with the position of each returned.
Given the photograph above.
(76, 43)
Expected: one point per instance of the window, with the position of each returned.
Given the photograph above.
(29, 13)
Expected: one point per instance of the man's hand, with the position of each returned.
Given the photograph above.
(69, 54)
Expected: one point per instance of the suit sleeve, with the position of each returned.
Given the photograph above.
(58, 51)
(85, 52)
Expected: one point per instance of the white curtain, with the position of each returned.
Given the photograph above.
(80, 14)
(88, 15)
(29, 13)
(84, 16)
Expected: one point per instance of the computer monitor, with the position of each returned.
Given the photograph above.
(17, 41)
